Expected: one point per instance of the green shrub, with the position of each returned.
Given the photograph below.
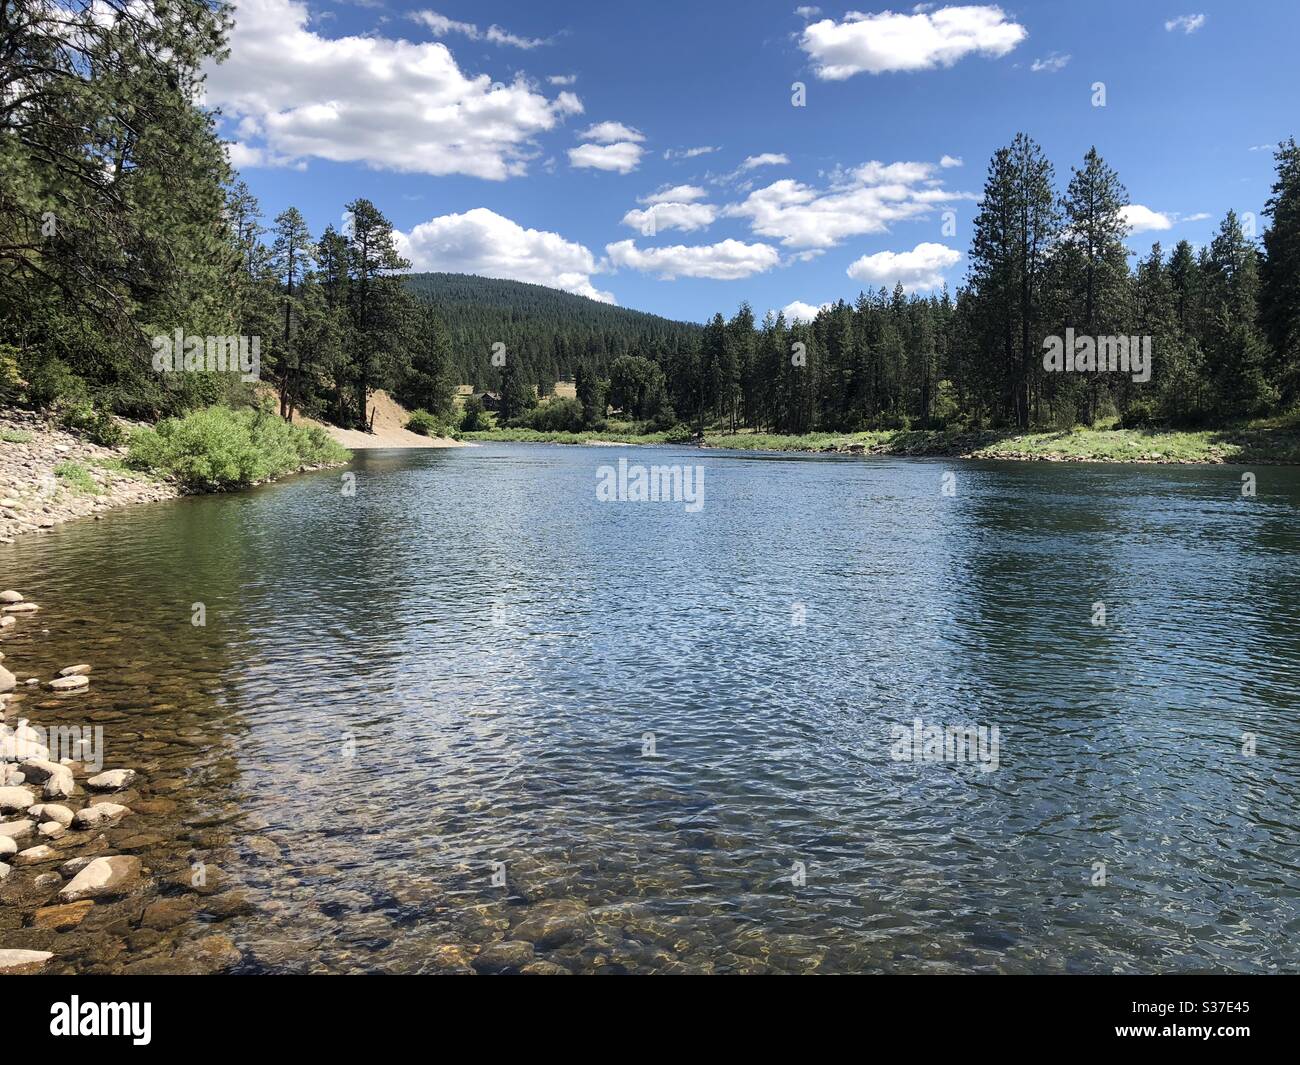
(220, 448)
(15, 436)
(94, 423)
(422, 422)
(77, 477)
(50, 380)
(473, 418)
(557, 416)
(679, 434)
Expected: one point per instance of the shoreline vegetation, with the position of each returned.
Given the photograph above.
(1260, 443)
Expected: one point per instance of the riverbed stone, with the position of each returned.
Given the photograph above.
(35, 855)
(163, 914)
(507, 956)
(23, 962)
(68, 684)
(450, 959)
(59, 781)
(51, 830)
(74, 671)
(20, 608)
(62, 917)
(8, 682)
(554, 922)
(51, 811)
(5, 870)
(98, 814)
(8, 597)
(113, 780)
(7, 846)
(103, 877)
(544, 968)
(17, 830)
(16, 800)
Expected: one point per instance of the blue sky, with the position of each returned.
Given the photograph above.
(547, 142)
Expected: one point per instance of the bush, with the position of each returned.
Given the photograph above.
(557, 416)
(221, 448)
(1140, 415)
(474, 418)
(78, 477)
(50, 380)
(679, 434)
(94, 423)
(424, 423)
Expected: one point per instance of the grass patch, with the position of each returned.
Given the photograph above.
(220, 448)
(538, 436)
(15, 436)
(78, 478)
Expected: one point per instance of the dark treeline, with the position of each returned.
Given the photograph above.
(121, 221)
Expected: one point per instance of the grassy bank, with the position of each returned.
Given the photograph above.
(1268, 441)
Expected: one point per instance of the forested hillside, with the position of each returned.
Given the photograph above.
(555, 331)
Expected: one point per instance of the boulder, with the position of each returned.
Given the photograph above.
(15, 800)
(49, 811)
(51, 830)
(8, 597)
(59, 782)
(103, 877)
(99, 814)
(113, 780)
(64, 917)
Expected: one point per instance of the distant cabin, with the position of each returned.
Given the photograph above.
(491, 400)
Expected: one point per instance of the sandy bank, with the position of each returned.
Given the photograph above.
(390, 417)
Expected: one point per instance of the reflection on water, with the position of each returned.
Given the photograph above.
(472, 669)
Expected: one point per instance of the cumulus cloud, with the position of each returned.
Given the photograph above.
(728, 260)
(675, 194)
(441, 26)
(807, 11)
(610, 133)
(562, 79)
(386, 103)
(920, 268)
(798, 311)
(765, 159)
(1053, 62)
(867, 199)
(622, 157)
(488, 244)
(668, 215)
(949, 161)
(1144, 220)
(889, 41)
(1186, 23)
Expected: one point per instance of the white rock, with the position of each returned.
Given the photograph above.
(52, 830)
(17, 829)
(74, 671)
(113, 780)
(15, 800)
(14, 962)
(7, 846)
(49, 811)
(9, 597)
(19, 608)
(59, 781)
(35, 855)
(68, 684)
(5, 870)
(100, 813)
(8, 682)
(103, 876)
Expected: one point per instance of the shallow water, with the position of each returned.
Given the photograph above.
(471, 661)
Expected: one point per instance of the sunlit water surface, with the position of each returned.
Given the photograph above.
(471, 669)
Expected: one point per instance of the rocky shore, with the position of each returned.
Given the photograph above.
(49, 476)
(62, 856)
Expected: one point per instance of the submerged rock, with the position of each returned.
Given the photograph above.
(74, 671)
(68, 684)
(103, 877)
(8, 597)
(64, 917)
(113, 780)
(506, 956)
(8, 682)
(98, 814)
(35, 855)
(17, 829)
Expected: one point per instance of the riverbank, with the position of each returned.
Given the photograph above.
(49, 475)
(1276, 444)
(388, 428)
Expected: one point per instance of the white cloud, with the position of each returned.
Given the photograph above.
(867, 199)
(888, 41)
(728, 260)
(765, 159)
(807, 11)
(622, 157)
(562, 79)
(387, 103)
(611, 132)
(688, 153)
(800, 311)
(675, 194)
(1144, 220)
(1186, 23)
(949, 161)
(668, 215)
(1053, 62)
(441, 26)
(485, 243)
(243, 157)
(920, 268)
